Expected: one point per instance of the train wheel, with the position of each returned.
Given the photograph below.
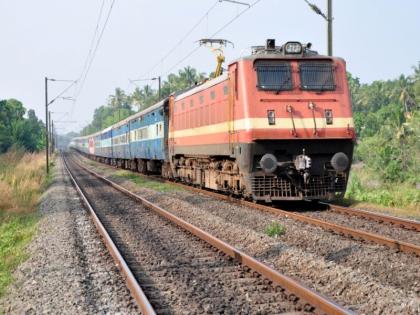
(142, 166)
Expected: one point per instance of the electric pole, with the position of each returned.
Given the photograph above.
(52, 137)
(48, 133)
(159, 87)
(329, 27)
(46, 125)
(329, 18)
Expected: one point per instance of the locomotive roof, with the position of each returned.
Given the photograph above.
(203, 86)
(283, 57)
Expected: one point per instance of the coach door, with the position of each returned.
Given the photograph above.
(171, 139)
(127, 137)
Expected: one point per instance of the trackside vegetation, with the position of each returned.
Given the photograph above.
(387, 157)
(275, 229)
(22, 180)
(145, 182)
(19, 127)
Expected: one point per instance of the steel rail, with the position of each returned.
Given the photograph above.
(132, 284)
(315, 299)
(379, 217)
(358, 234)
(372, 237)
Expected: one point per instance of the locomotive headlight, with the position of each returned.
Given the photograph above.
(293, 48)
(268, 163)
(340, 162)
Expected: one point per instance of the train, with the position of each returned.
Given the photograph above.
(276, 125)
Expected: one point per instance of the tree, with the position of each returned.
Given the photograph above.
(402, 91)
(15, 129)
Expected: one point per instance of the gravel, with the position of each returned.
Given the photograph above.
(368, 278)
(69, 270)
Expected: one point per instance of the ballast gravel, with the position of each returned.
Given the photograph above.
(69, 270)
(368, 278)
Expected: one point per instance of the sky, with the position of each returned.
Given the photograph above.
(379, 39)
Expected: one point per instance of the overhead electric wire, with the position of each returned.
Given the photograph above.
(64, 91)
(182, 39)
(93, 39)
(93, 55)
(212, 36)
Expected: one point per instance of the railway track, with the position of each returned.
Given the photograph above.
(181, 268)
(325, 223)
(381, 218)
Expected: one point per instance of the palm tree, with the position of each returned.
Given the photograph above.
(188, 75)
(136, 98)
(402, 92)
(118, 99)
(416, 75)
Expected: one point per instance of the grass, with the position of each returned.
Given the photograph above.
(147, 183)
(366, 190)
(275, 229)
(22, 180)
(16, 231)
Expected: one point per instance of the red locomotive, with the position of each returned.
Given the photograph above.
(276, 126)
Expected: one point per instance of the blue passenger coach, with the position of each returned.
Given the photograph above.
(137, 142)
(147, 133)
(148, 137)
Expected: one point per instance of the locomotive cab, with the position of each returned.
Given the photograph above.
(293, 128)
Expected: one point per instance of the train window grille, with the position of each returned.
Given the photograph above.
(274, 76)
(317, 76)
(279, 187)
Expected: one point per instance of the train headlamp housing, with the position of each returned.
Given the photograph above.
(293, 48)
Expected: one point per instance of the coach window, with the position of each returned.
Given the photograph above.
(191, 102)
(201, 98)
(183, 105)
(212, 95)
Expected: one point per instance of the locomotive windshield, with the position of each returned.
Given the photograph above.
(317, 76)
(274, 76)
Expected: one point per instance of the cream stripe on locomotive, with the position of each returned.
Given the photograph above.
(262, 123)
